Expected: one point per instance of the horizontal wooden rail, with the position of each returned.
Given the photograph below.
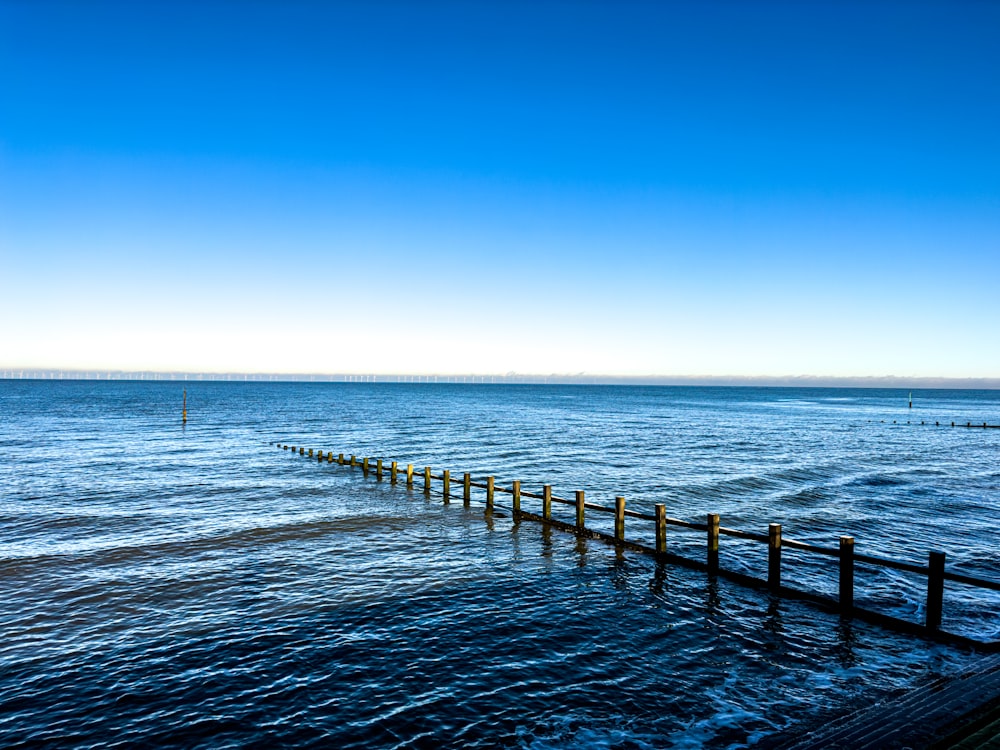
(846, 556)
(894, 564)
(743, 534)
(805, 546)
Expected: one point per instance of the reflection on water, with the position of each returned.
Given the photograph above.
(194, 587)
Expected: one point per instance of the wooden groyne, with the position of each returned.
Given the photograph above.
(937, 423)
(844, 554)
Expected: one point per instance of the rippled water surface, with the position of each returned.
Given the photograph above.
(197, 587)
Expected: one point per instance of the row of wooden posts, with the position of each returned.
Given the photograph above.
(983, 426)
(845, 553)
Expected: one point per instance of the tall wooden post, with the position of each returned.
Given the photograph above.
(846, 574)
(340, 459)
(427, 480)
(774, 556)
(489, 493)
(409, 476)
(310, 453)
(354, 460)
(393, 472)
(364, 466)
(579, 510)
(378, 469)
(515, 494)
(319, 455)
(446, 485)
(302, 451)
(466, 488)
(547, 502)
(712, 521)
(661, 528)
(620, 518)
(935, 590)
(329, 457)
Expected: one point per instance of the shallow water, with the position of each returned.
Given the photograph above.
(196, 586)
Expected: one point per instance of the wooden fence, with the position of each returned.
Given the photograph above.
(844, 553)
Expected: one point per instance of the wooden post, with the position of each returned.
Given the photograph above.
(319, 453)
(579, 510)
(547, 502)
(515, 494)
(302, 451)
(935, 590)
(489, 493)
(427, 480)
(354, 460)
(393, 472)
(661, 528)
(340, 459)
(310, 453)
(378, 469)
(774, 556)
(712, 520)
(409, 476)
(846, 574)
(466, 487)
(364, 466)
(329, 457)
(620, 518)
(446, 485)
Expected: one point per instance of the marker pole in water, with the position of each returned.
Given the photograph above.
(911, 399)
(184, 409)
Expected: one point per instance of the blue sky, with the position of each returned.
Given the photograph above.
(628, 188)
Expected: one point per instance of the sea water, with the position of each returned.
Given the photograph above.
(195, 586)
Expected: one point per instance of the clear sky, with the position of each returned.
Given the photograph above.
(729, 188)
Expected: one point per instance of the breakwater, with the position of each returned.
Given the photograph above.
(847, 559)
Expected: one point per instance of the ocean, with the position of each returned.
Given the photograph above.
(195, 586)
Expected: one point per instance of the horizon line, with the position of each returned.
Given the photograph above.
(582, 378)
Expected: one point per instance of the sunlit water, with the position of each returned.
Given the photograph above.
(198, 587)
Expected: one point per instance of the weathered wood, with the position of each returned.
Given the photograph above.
(393, 472)
(774, 556)
(935, 570)
(619, 518)
(466, 487)
(378, 469)
(935, 590)
(712, 524)
(846, 594)
(446, 485)
(661, 528)
(364, 466)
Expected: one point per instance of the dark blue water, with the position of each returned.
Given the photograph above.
(197, 587)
